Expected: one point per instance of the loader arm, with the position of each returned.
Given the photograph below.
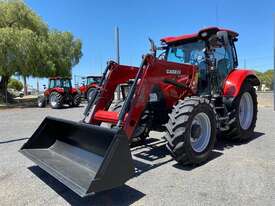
(173, 80)
(154, 73)
(117, 74)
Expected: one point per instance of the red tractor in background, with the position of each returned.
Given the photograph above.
(189, 88)
(89, 86)
(58, 93)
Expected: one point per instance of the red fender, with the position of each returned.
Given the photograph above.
(56, 89)
(235, 79)
(73, 90)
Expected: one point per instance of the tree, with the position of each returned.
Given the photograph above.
(16, 22)
(15, 84)
(266, 78)
(62, 52)
(28, 48)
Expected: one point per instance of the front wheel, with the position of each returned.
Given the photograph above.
(56, 100)
(41, 101)
(191, 130)
(243, 114)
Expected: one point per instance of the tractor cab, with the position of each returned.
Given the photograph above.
(211, 50)
(93, 80)
(64, 83)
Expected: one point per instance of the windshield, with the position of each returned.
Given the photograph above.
(91, 80)
(60, 83)
(66, 83)
(188, 53)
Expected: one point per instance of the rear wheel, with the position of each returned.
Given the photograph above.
(243, 114)
(191, 130)
(56, 100)
(76, 100)
(142, 130)
(41, 101)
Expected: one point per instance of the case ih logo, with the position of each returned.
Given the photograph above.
(173, 71)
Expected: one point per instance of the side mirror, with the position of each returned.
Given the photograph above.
(223, 37)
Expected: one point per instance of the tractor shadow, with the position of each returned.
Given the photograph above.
(224, 144)
(151, 155)
(221, 145)
(124, 195)
(65, 107)
(154, 153)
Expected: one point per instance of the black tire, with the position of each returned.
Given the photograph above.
(76, 100)
(180, 126)
(41, 101)
(56, 100)
(141, 132)
(236, 132)
(90, 93)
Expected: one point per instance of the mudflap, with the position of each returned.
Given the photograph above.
(86, 158)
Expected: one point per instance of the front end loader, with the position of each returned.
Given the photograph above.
(191, 87)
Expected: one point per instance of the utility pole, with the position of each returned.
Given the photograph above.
(117, 55)
(274, 63)
(117, 45)
(244, 63)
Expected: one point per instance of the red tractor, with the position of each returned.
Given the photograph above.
(58, 93)
(89, 87)
(192, 87)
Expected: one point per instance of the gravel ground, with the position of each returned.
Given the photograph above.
(237, 174)
(265, 99)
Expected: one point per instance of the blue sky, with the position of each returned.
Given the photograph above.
(94, 23)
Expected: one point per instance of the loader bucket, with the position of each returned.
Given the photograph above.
(86, 158)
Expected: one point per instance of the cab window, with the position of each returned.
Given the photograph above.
(188, 53)
(51, 84)
(224, 61)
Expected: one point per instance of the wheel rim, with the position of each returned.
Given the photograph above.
(246, 111)
(54, 100)
(200, 132)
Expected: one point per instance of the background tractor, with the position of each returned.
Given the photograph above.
(189, 88)
(89, 86)
(58, 93)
